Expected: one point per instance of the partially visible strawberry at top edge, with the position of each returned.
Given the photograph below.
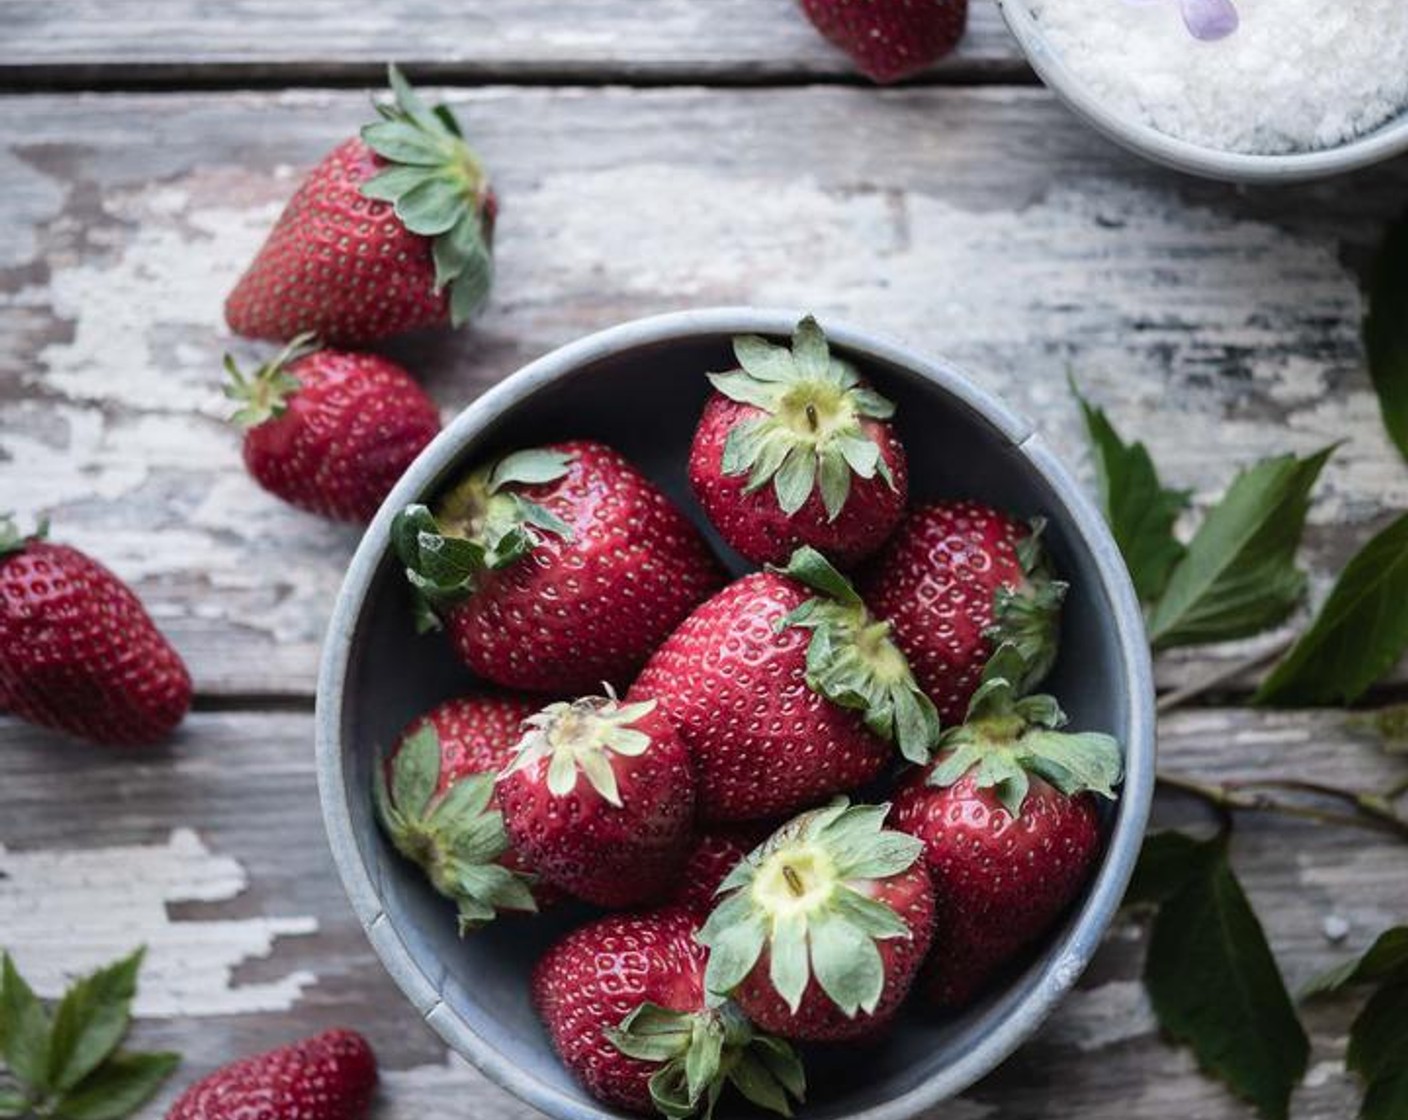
(890, 39)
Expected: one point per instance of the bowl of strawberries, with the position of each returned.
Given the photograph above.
(729, 713)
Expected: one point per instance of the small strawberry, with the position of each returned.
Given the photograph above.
(787, 692)
(890, 39)
(795, 449)
(390, 233)
(330, 1076)
(620, 837)
(1010, 827)
(554, 569)
(716, 853)
(436, 802)
(821, 930)
(957, 580)
(78, 652)
(330, 431)
(624, 1003)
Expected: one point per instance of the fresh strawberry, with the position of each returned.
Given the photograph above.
(890, 39)
(623, 1001)
(390, 233)
(716, 853)
(555, 569)
(78, 652)
(436, 802)
(619, 837)
(787, 691)
(821, 930)
(330, 1076)
(795, 449)
(1010, 828)
(330, 431)
(957, 580)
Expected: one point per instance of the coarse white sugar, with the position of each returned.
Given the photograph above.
(1294, 75)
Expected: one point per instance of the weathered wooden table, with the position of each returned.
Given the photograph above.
(650, 156)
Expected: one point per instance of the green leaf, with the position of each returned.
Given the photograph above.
(1167, 862)
(811, 569)
(531, 467)
(1359, 635)
(1141, 512)
(794, 479)
(1238, 577)
(846, 963)
(1386, 331)
(1386, 1098)
(119, 1087)
(91, 1020)
(1378, 1038)
(1215, 986)
(1387, 957)
(26, 1028)
(415, 772)
(13, 1103)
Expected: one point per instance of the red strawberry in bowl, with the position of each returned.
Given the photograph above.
(391, 232)
(623, 1000)
(794, 448)
(890, 39)
(822, 930)
(599, 799)
(716, 853)
(958, 580)
(1007, 814)
(330, 431)
(555, 568)
(787, 691)
(436, 803)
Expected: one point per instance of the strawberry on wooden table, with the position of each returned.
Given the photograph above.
(330, 431)
(795, 449)
(623, 1000)
(890, 39)
(787, 691)
(1008, 819)
(78, 652)
(554, 569)
(391, 232)
(822, 929)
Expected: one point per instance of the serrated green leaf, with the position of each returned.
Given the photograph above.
(1359, 634)
(1387, 958)
(90, 1021)
(27, 1029)
(1386, 331)
(118, 1087)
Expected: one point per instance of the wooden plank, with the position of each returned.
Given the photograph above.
(1218, 324)
(86, 42)
(219, 844)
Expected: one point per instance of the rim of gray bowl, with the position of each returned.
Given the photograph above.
(1388, 140)
(1065, 961)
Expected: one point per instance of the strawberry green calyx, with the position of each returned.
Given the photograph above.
(456, 837)
(811, 433)
(12, 540)
(480, 525)
(798, 897)
(439, 190)
(1008, 737)
(703, 1051)
(264, 396)
(1028, 617)
(579, 736)
(853, 662)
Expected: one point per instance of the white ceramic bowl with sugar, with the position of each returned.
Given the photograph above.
(1388, 140)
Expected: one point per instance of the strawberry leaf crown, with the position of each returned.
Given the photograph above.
(853, 662)
(439, 189)
(810, 433)
(1028, 617)
(700, 1052)
(579, 737)
(797, 897)
(482, 524)
(1008, 736)
(456, 837)
(264, 396)
(12, 540)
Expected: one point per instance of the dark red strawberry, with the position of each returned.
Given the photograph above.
(623, 1001)
(599, 800)
(1010, 828)
(78, 652)
(716, 853)
(787, 692)
(330, 1076)
(890, 39)
(957, 580)
(390, 233)
(437, 803)
(821, 930)
(795, 449)
(555, 569)
(330, 431)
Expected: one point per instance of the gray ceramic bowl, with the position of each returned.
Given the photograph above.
(1387, 141)
(641, 387)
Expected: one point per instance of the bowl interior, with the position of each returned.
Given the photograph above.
(645, 400)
